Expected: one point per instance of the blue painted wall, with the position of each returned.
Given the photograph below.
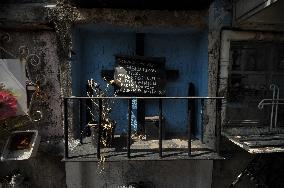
(188, 54)
(185, 50)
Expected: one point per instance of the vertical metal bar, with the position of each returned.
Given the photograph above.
(129, 127)
(140, 102)
(218, 125)
(202, 121)
(272, 107)
(80, 120)
(189, 116)
(99, 129)
(65, 103)
(141, 116)
(160, 128)
(276, 108)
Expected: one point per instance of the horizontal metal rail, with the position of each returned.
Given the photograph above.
(161, 124)
(264, 102)
(73, 97)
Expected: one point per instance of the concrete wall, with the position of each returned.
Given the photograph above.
(45, 170)
(163, 174)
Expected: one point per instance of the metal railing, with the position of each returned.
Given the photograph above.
(161, 124)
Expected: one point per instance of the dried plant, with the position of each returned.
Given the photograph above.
(108, 125)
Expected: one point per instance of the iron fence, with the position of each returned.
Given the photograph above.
(161, 124)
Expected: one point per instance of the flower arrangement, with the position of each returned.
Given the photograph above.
(9, 119)
(8, 103)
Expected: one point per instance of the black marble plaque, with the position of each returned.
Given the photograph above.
(140, 76)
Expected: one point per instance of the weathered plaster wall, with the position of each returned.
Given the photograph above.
(219, 16)
(26, 15)
(45, 170)
(143, 18)
(42, 44)
(223, 172)
(164, 174)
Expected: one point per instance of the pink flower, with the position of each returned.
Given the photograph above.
(8, 105)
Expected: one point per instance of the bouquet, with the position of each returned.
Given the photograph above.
(8, 104)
